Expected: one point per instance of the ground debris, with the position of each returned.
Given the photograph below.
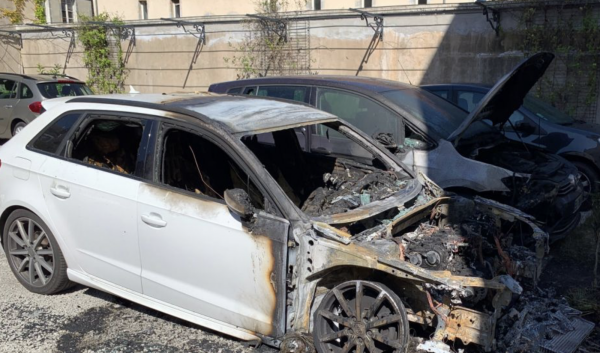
(540, 321)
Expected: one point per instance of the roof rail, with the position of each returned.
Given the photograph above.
(16, 74)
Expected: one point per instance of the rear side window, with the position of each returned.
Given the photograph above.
(8, 89)
(63, 89)
(441, 93)
(296, 93)
(51, 138)
(26, 92)
(236, 90)
(469, 100)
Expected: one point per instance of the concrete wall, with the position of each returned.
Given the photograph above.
(421, 44)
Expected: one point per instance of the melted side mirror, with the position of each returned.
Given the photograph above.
(238, 202)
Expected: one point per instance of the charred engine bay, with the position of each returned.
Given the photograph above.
(549, 175)
(463, 236)
(350, 185)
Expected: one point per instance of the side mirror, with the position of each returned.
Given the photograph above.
(238, 202)
(525, 127)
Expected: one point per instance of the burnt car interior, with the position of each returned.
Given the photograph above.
(107, 143)
(196, 165)
(320, 182)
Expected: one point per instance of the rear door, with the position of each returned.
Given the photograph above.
(199, 256)
(90, 187)
(8, 102)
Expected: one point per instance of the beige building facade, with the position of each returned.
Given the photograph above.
(155, 9)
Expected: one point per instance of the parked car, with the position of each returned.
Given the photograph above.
(455, 149)
(215, 209)
(539, 124)
(21, 97)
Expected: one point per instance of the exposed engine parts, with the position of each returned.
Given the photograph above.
(351, 185)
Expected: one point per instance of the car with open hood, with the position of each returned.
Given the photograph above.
(539, 124)
(455, 149)
(215, 209)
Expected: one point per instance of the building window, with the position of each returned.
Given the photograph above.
(176, 8)
(317, 5)
(422, 2)
(368, 3)
(67, 10)
(143, 10)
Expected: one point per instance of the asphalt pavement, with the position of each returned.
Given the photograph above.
(85, 320)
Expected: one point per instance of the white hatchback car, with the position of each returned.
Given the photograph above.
(216, 209)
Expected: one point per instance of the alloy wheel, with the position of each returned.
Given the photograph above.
(30, 251)
(361, 316)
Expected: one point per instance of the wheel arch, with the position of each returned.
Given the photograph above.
(581, 158)
(5, 214)
(14, 122)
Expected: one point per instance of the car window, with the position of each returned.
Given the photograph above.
(515, 118)
(296, 93)
(63, 89)
(468, 100)
(440, 117)
(8, 89)
(26, 92)
(546, 111)
(440, 93)
(236, 90)
(362, 112)
(109, 142)
(251, 91)
(51, 138)
(196, 165)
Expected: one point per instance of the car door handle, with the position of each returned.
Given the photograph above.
(154, 220)
(8, 106)
(60, 191)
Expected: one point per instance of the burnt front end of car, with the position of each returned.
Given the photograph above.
(453, 261)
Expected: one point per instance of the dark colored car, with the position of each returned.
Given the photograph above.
(452, 147)
(539, 124)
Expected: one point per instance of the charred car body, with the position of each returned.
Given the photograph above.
(442, 140)
(336, 251)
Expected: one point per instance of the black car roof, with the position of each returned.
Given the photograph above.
(366, 83)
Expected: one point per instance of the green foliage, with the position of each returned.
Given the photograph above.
(14, 16)
(55, 70)
(263, 51)
(573, 34)
(39, 11)
(105, 62)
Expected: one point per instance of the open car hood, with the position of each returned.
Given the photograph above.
(507, 94)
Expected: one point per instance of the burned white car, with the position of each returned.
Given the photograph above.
(211, 209)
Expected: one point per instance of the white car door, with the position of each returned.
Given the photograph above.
(198, 255)
(94, 207)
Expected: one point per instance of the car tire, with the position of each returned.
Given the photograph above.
(589, 175)
(337, 327)
(36, 260)
(18, 127)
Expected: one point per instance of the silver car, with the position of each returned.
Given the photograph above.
(21, 97)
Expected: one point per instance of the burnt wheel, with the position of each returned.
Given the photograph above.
(33, 254)
(361, 316)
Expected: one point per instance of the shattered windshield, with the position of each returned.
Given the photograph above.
(321, 182)
(439, 115)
